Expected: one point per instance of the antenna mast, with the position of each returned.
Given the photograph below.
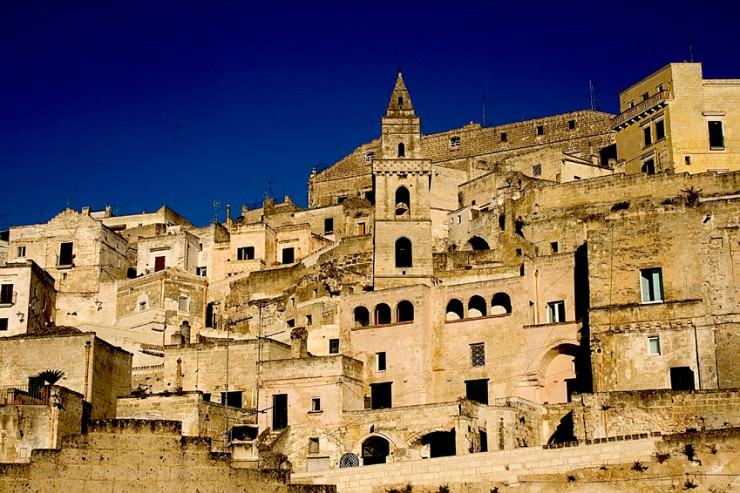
(484, 111)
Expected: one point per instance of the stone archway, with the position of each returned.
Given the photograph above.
(557, 372)
(375, 450)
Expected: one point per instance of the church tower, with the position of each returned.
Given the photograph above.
(403, 224)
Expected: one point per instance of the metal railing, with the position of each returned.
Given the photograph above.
(633, 113)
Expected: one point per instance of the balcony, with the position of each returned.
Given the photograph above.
(641, 110)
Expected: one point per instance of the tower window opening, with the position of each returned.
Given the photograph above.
(401, 150)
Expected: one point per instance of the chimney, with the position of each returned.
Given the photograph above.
(108, 210)
(228, 215)
(299, 343)
(86, 210)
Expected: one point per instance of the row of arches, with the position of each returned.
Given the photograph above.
(383, 315)
(477, 307)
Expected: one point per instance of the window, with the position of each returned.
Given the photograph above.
(245, 253)
(288, 255)
(382, 314)
(454, 142)
(405, 311)
(401, 150)
(555, 312)
(540, 129)
(477, 390)
(631, 104)
(403, 252)
(313, 445)
(183, 303)
(478, 354)
(503, 137)
(309, 320)
(554, 246)
(65, 253)
(3, 324)
(648, 166)
(279, 412)
(403, 201)
(369, 157)
(6, 294)
(20, 252)
(648, 137)
(361, 229)
(660, 130)
(380, 361)
(400, 102)
(315, 404)
(651, 285)
(159, 263)
(290, 323)
(381, 395)
(362, 316)
(537, 170)
(202, 271)
(682, 378)
(653, 345)
(645, 96)
(142, 306)
(571, 124)
(333, 346)
(660, 88)
(687, 160)
(716, 135)
(232, 398)
(329, 225)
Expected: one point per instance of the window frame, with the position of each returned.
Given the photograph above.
(478, 355)
(6, 294)
(648, 292)
(180, 300)
(716, 145)
(654, 345)
(455, 141)
(316, 405)
(381, 361)
(334, 346)
(556, 310)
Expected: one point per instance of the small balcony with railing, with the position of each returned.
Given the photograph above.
(641, 110)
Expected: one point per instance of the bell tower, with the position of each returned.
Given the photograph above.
(402, 179)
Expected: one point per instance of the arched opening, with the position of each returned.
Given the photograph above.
(441, 443)
(405, 311)
(362, 317)
(403, 202)
(558, 373)
(454, 310)
(403, 252)
(476, 307)
(500, 304)
(401, 149)
(382, 314)
(374, 450)
(477, 243)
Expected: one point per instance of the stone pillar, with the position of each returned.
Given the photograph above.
(299, 343)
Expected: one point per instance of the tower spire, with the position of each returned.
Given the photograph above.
(400, 104)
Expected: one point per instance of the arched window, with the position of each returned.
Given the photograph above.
(454, 310)
(403, 202)
(375, 450)
(405, 312)
(401, 150)
(362, 317)
(382, 314)
(403, 252)
(476, 307)
(400, 102)
(500, 304)
(478, 243)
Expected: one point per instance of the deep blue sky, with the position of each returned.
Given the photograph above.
(140, 104)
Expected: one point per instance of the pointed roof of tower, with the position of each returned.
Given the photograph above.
(400, 104)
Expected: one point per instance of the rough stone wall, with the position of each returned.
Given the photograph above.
(32, 302)
(130, 455)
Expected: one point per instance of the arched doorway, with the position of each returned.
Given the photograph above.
(558, 373)
(375, 450)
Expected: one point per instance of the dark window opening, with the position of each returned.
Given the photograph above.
(288, 255)
(130, 273)
(245, 253)
(682, 378)
(3, 324)
(476, 307)
(500, 304)
(647, 135)
(571, 124)
(65, 253)
(537, 170)
(483, 441)
(400, 102)
(279, 412)
(660, 130)
(645, 96)
(380, 361)
(291, 323)
(502, 222)
(540, 129)
(648, 167)
(455, 141)
(328, 226)
(159, 263)
(405, 311)
(333, 346)
(231, 398)
(556, 312)
(716, 135)
(441, 443)
(380, 395)
(454, 310)
(382, 314)
(362, 317)
(403, 252)
(554, 246)
(403, 202)
(6, 294)
(477, 390)
(375, 450)
(401, 150)
(477, 243)
(315, 404)
(503, 137)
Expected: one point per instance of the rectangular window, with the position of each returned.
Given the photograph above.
(716, 135)
(6, 294)
(313, 445)
(454, 142)
(660, 130)
(631, 104)
(554, 246)
(503, 137)
(202, 271)
(20, 252)
(309, 320)
(333, 346)
(361, 229)
(182, 304)
(279, 412)
(245, 253)
(232, 398)
(477, 390)
(291, 323)
(648, 167)
(315, 404)
(645, 96)
(571, 124)
(142, 306)
(478, 354)
(540, 129)
(159, 263)
(3, 324)
(381, 396)
(556, 312)
(380, 361)
(329, 225)
(65, 253)
(648, 136)
(537, 170)
(653, 345)
(651, 285)
(288, 255)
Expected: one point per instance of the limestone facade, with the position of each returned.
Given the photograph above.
(27, 300)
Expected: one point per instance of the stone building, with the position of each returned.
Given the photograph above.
(27, 298)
